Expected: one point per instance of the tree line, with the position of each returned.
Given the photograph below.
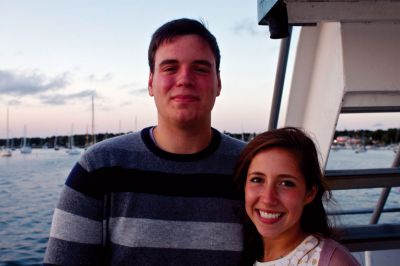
(383, 137)
(62, 141)
(370, 137)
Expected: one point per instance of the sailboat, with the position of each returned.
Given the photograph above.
(93, 140)
(72, 150)
(25, 149)
(56, 147)
(6, 152)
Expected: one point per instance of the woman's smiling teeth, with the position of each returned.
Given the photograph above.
(270, 215)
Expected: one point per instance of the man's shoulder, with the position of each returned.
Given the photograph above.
(230, 143)
(110, 151)
(125, 141)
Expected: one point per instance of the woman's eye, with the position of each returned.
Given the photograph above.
(288, 183)
(255, 180)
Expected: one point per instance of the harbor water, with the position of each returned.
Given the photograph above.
(31, 183)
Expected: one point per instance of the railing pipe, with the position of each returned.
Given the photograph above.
(279, 80)
(384, 194)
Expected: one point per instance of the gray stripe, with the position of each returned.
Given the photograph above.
(75, 202)
(148, 233)
(129, 151)
(74, 228)
(139, 205)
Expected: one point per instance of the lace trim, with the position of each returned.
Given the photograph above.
(307, 253)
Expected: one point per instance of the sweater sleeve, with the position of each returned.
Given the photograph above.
(334, 254)
(76, 233)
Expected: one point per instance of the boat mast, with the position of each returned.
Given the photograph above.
(7, 128)
(24, 140)
(93, 136)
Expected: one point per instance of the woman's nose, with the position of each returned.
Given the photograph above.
(269, 195)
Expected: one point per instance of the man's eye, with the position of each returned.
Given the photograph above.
(169, 69)
(202, 70)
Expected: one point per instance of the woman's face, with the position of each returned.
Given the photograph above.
(275, 194)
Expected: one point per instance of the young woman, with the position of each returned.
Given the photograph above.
(282, 184)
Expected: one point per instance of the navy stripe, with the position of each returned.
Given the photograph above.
(117, 179)
(75, 202)
(84, 254)
(167, 184)
(176, 208)
(90, 184)
(172, 257)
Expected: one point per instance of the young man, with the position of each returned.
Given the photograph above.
(162, 196)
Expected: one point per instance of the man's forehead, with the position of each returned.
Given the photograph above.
(177, 38)
(172, 49)
(184, 40)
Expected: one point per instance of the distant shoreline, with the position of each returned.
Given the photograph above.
(370, 137)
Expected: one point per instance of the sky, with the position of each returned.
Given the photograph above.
(54, 55)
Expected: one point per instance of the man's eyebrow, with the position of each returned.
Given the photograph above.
(195, 62)
(168, 62)
(203, 62)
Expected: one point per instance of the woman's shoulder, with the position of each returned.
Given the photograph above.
(333, 253)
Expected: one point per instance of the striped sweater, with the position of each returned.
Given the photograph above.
(127, 202)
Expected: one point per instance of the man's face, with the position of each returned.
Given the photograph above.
(185, 82)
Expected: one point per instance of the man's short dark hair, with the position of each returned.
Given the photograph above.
(180, 27)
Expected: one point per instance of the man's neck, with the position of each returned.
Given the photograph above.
(182, 140)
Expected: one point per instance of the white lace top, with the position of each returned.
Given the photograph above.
(305, 254)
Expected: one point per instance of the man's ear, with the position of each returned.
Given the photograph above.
(310, 195)
(150, 84)
(219, 84)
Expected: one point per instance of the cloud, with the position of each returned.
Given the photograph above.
(14, 102)
(105, 108)
(141, 91)
(104, 78)
(128, 86)
(247, 26)
(21, 84)
(132, 89)
(60, 99)
(378, 125)
(18, 53)
(127, 103)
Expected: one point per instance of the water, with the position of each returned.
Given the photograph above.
(30, 185)
(29, 188)
(362, 198)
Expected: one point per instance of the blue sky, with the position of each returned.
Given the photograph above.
(55, 54)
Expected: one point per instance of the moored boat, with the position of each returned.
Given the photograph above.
(6, 151)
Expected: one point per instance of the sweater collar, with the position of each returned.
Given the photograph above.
(152, 146)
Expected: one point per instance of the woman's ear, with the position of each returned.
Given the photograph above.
(310, 195)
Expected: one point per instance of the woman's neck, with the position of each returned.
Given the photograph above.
(278, 248)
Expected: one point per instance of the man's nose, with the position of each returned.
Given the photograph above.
(185, 77)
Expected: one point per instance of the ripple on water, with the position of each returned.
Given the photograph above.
(29, 189)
